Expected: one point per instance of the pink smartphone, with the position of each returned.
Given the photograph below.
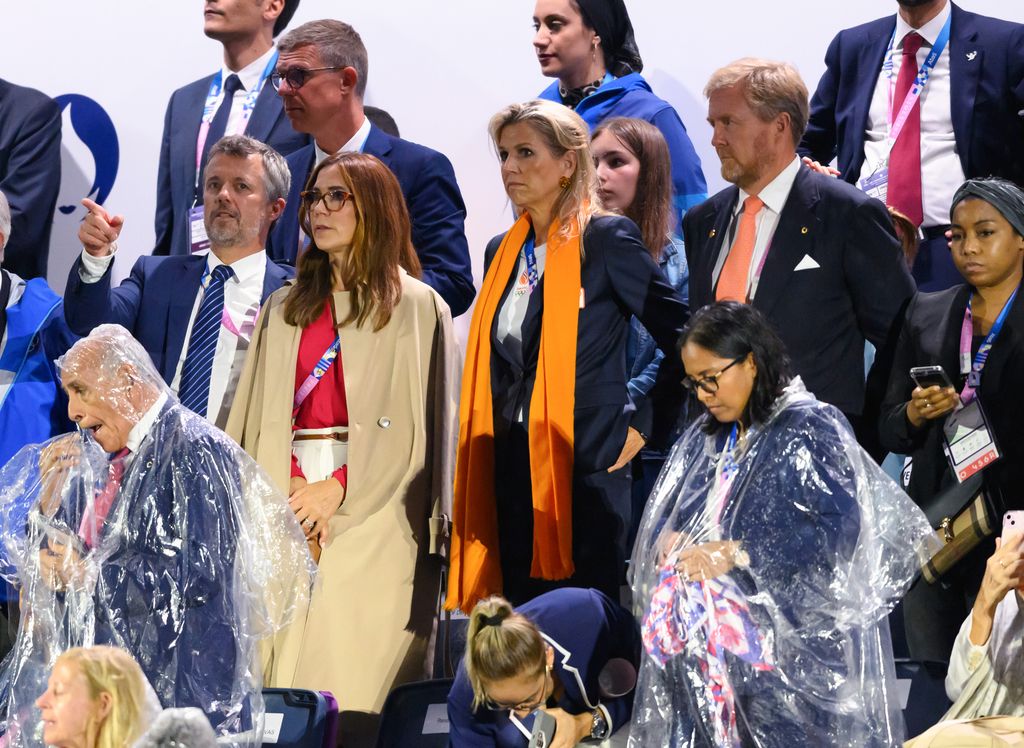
(1013, 524)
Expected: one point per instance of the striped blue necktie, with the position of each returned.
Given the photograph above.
(194, 390)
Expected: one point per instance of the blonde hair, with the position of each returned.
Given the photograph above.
(115, 672)
(562, 130)
(770, 89)
(500, 644)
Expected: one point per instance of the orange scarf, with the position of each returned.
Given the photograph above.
(475, 570)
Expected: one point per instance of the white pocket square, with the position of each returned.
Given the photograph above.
(808, 263)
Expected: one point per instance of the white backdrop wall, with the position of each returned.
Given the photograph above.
(440, 68)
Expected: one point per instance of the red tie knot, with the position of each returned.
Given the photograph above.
(912, 43)
(753, 205)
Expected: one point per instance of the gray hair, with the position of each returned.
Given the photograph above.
(337, 43)
(277, 177)
(770, 89)
(5, 222)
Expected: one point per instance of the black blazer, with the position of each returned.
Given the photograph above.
(987, 92)
(619, 280)
(931, 336)
(822, 314)
(29, 175)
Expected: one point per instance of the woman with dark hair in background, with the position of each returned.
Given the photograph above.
(542, 486)
(768, 558)
(634, 180)
(347, 401)
(588, 46)
(949, 329)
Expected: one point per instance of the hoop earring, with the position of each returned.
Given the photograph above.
(564, 182)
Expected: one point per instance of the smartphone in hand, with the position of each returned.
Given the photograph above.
(543, 729)
(930, 376)
(1013, 524)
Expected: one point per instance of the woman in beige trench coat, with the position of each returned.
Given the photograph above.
(371, 493)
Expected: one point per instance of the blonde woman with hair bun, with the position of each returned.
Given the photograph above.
(571, 652)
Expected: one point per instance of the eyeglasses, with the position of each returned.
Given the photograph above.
(529, 705)
(334, 199)
(297, 77)
(709, 383)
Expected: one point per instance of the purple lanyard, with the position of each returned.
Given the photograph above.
(973, 370)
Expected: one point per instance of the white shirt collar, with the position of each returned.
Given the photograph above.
(250, 74)
(17, 289)
(244, 269)
(355, 143)
(144, 425)
(776, 192)
(929, 32)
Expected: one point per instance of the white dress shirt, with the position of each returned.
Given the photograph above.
(143, 426)
(17, 291)
(250, 78)
(354, 144)
(242, 295)
(774, 196)
(941, 170)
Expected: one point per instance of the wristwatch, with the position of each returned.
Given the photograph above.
(599, 727)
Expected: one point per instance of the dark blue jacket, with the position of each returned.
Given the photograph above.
(154, 303)
(586, 630)
(176, 176)
(435, 205)
(631, 96)
(29, 174)
(987, 91)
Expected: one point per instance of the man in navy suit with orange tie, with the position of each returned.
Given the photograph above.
(961, 120)
(234, 100)
(815, 255)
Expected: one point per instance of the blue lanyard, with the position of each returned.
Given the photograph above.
(532, 276)
(974, 376)
(923, 74)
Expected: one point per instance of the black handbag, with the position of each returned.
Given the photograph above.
(963, 515)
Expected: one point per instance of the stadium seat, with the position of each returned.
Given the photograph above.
(415, 715)
(923, 693)
(296, 718)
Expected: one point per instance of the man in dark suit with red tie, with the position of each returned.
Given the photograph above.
(234, 100)
(965, 123)
(814, 254)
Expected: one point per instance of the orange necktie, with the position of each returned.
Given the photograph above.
(732, 283)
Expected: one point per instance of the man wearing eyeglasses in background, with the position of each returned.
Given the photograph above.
(321, 78)
(194, 314)
(232, 101)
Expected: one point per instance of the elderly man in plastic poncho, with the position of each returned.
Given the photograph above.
(152, 531)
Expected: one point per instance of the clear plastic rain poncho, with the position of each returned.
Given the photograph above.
(181, 551)
(763, 582)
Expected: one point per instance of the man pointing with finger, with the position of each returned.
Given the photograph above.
(194, 314)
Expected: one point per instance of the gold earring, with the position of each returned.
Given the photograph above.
(564, 182)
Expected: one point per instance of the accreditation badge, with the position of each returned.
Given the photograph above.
(876, 184)
(968, 442)
(198, 240)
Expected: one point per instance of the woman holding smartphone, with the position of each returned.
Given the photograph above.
(975, 332)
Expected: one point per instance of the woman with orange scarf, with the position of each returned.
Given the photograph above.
(547, 429)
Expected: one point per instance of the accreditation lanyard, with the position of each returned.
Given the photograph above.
(973, 370)
(321, 368)
(530, 252)
(923, 74)
(213, 97)
(725, 474)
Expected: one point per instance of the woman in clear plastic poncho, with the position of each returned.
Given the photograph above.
(149, 530)
(768, 557)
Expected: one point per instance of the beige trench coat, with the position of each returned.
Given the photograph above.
(371, 614)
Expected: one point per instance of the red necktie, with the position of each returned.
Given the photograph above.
(732, 283)
(96, 514)
(904, 193)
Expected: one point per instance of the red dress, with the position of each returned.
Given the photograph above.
(325, 406)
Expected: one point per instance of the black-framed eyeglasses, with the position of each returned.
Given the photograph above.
(297, 77)
(534, 702)
(710, 383)
(334, 199)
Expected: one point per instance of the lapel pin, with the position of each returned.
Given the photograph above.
(803, 229)
(711, 234)
(971, 56)
(383, 422)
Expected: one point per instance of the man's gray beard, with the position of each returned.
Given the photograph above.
(232, 237)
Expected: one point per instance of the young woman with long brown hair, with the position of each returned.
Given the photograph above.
(346, 400)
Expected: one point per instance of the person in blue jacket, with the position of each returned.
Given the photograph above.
(588, 46)
(571, 652)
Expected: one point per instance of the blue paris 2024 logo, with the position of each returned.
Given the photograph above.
(87, 131)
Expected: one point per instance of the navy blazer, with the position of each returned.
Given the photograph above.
(29, 175)
(435, 205)
(823, 314)
(586, 630)
(618, 281)
(987, 91)
(154, 303)
(176, 176)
